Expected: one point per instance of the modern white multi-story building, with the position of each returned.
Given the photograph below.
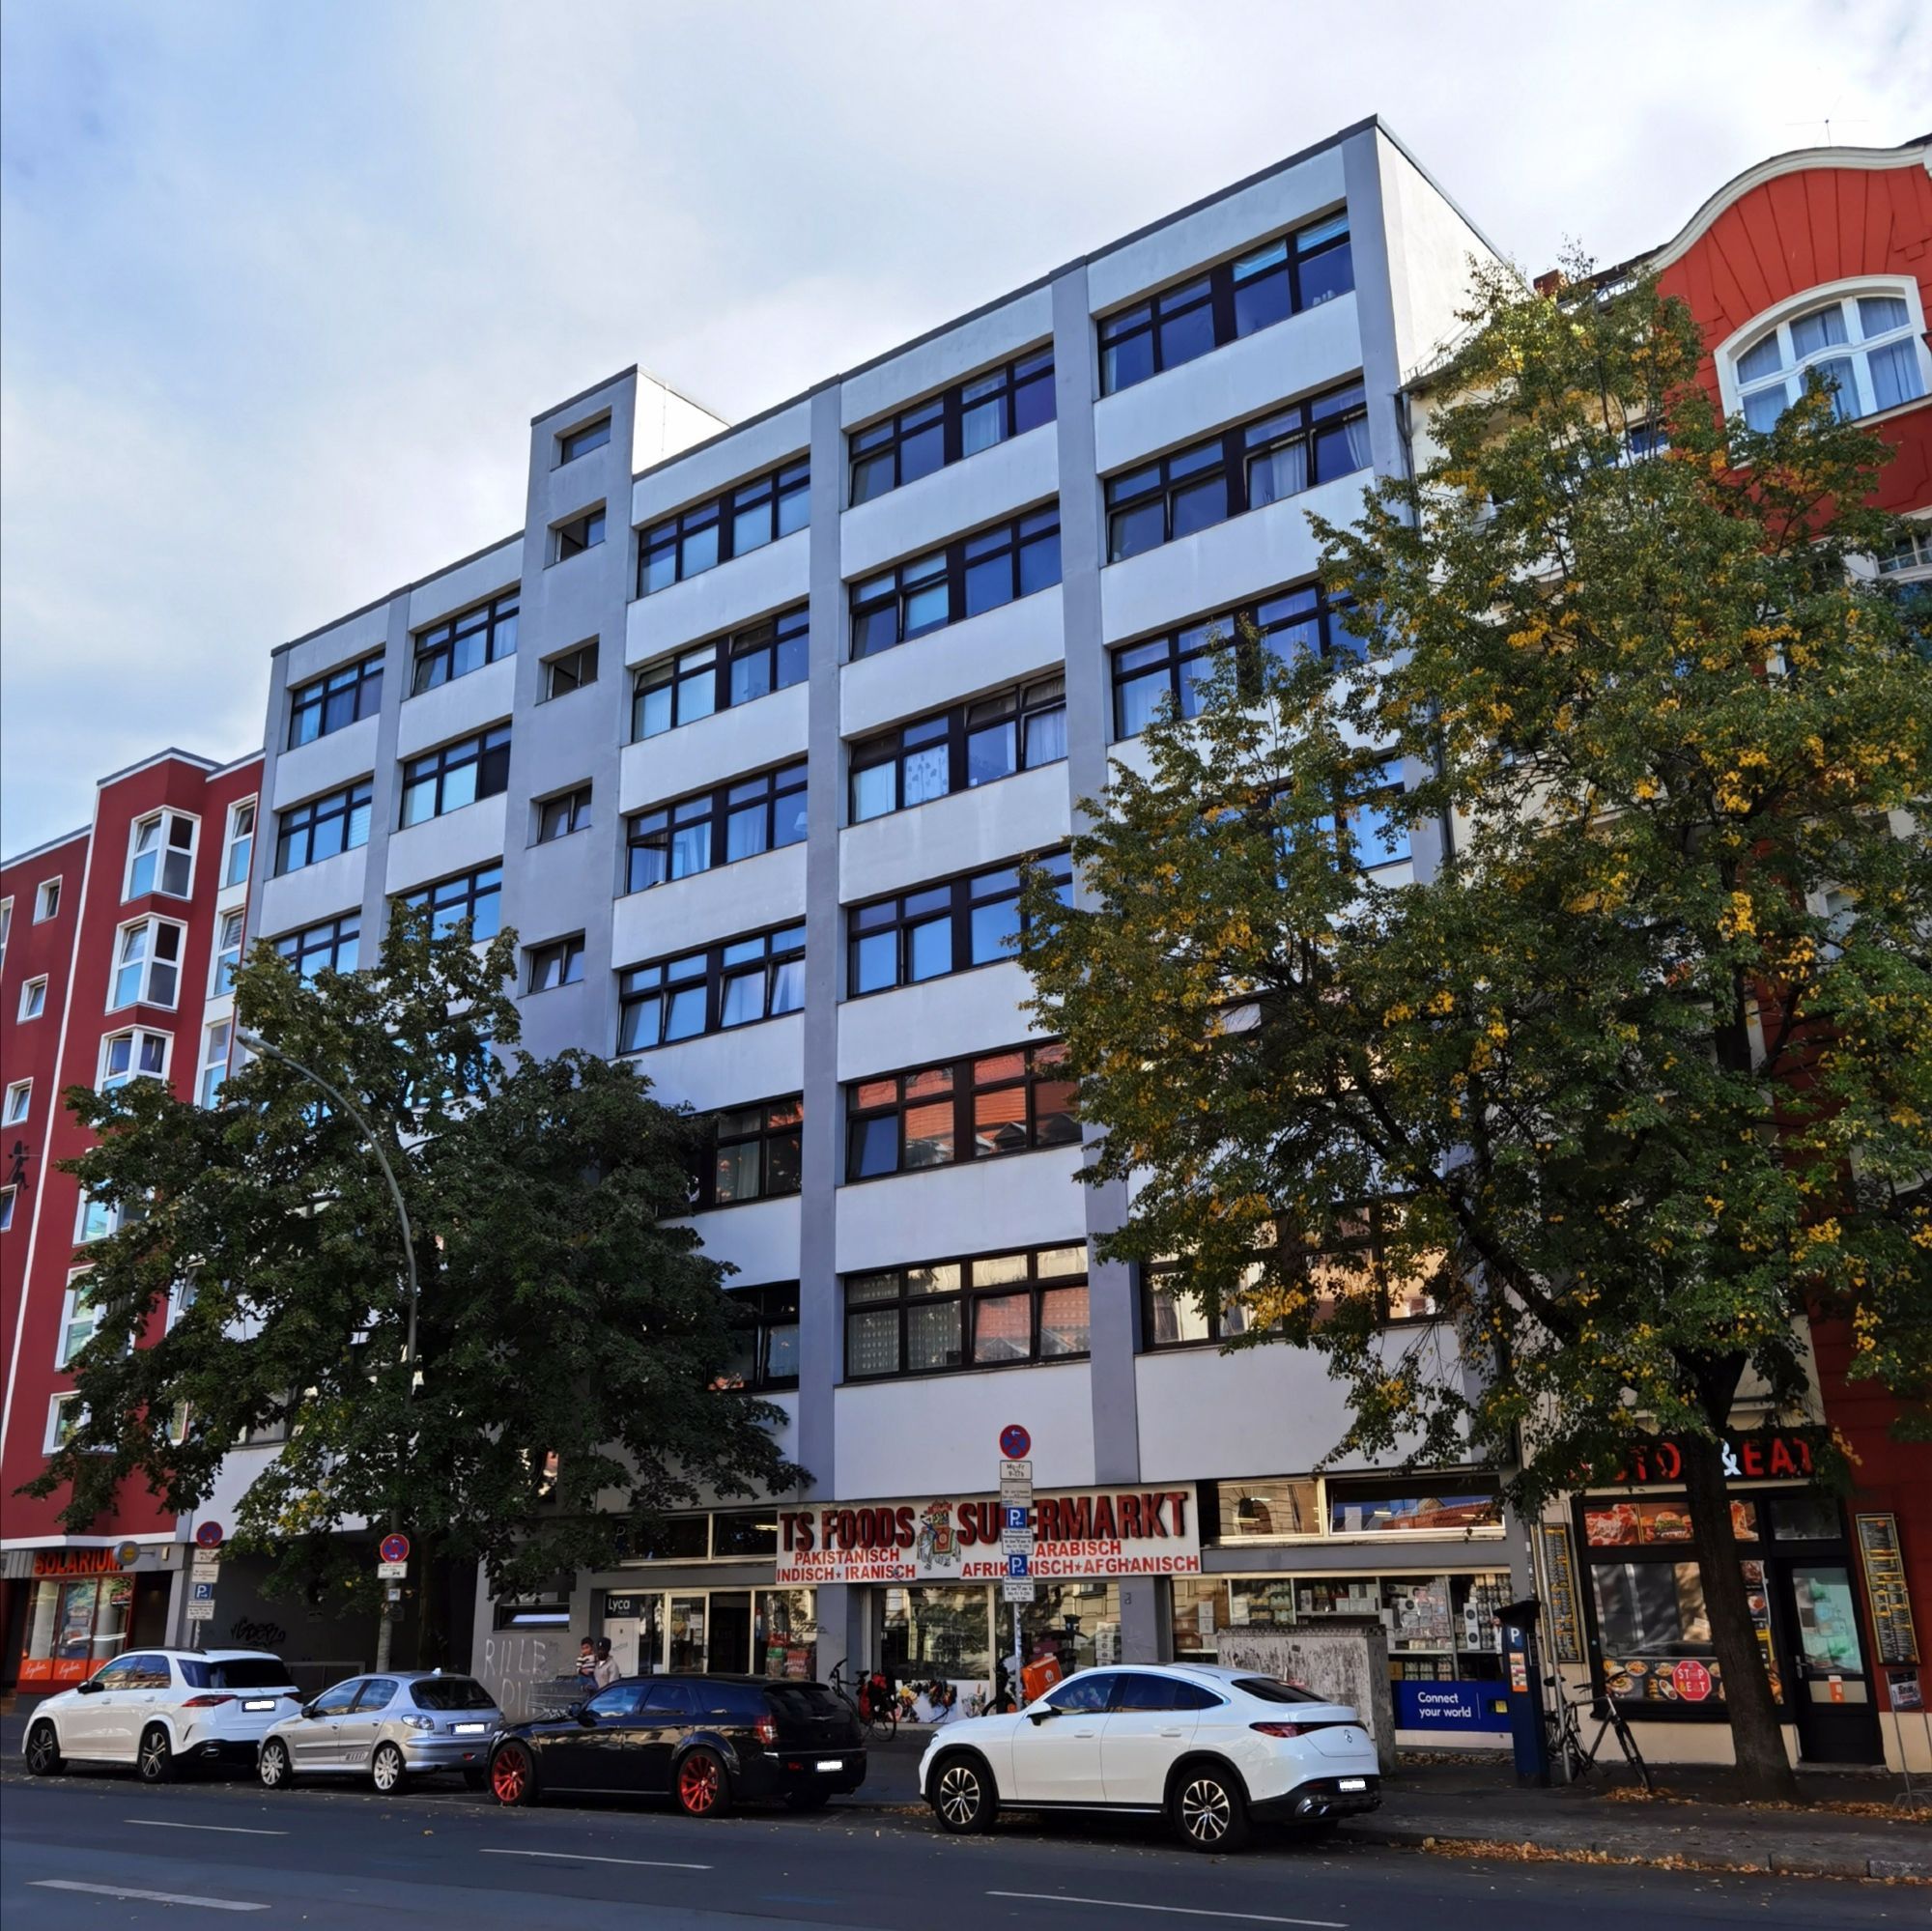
(745, 746)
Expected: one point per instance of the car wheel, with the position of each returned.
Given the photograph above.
(44, 1752)
(513, 1775)
(1208, 1808)
(387, 1771)
(702, 1784)
(273, 1767)
(155, 1762)
(963, 1797)
(476, 1779)
(807, 1799)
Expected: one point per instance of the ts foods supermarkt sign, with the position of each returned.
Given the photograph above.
(1077, 1532)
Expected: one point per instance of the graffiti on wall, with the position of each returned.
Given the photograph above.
(518, 1667)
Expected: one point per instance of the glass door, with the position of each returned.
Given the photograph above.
(1832, 1697)
(687, 1634)
(730, 1631)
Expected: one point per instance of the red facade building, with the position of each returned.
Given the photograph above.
(118, 939)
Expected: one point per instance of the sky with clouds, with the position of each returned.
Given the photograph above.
(281, 284)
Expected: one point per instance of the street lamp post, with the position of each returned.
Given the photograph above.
(255, 1043)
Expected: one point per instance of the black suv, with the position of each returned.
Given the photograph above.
(703, 1741)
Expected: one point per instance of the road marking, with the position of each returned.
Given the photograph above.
(584, 1858)
(226, 1830)
(144, 1896)
(1171, 1910)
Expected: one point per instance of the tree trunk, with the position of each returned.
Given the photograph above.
(1755, 1738)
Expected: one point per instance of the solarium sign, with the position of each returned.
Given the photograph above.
(1077, 1532)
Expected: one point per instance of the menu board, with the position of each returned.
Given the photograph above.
(1559, 1582)
(1629, 1524)
(1884, 1587)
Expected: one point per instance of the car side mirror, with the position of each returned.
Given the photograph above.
(308, 1710)
(88, 1686)
(588, 1717)
(1038, 1716)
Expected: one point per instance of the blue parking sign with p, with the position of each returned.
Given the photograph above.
(1019, 1567)
(1016, 1516)
(204, 1592)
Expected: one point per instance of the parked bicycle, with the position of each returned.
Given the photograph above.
(1567, 1752)
(871, 1701)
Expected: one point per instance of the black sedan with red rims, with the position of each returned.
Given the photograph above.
(704, 1742)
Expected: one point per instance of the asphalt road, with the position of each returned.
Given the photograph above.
(96, 1849)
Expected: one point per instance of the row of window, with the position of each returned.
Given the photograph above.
(711, 677)
(717, 826)
(961, 579)
(734, 525)
(998, 1310)
(947, 428)
(735, 984)
(970, 1109)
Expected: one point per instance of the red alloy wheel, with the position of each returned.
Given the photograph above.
(510, 1775)
(698, 1783)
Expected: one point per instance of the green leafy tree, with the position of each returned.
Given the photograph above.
(1630, 1096)
(573, 1350)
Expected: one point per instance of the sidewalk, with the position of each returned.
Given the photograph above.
(1439, 1804)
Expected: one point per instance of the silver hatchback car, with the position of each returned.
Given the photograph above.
(387, 1728)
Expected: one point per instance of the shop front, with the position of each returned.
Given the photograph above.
(83, 1606)
(1645, 1634)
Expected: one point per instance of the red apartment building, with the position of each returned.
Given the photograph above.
(116, 943)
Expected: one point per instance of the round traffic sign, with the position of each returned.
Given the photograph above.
(395, 1549)
(1016, 1443)
(210, 1535)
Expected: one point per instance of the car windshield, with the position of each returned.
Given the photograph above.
(1272, 1691)
(452, 1693)
(804, 1700)
(235, 1672)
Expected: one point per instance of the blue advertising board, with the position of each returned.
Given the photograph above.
(1460, 1706)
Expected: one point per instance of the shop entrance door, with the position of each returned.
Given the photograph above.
(730, 1634)
(1831, 1690)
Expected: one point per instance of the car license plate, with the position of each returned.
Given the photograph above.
(1352, 1783)
(469, 1729)
(259, 1703)
(831, 1763)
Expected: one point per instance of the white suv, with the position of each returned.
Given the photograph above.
(1212, 1748)
(155, 1707)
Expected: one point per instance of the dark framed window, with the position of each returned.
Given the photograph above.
(582, 441)
(1255, 290)
(977, 1108)
(735, 984)
(560, 962)
(327, 703)
(1353, 1261)
(569, 670)
(712, 677)
(331, 945)
(568, 811)
(1263, 461)
(756, 814)
(734, 525)
(765, 1356)
(973, 744)
(965, 578)
(581, 533)
(476, 895)
(958, 424)
(951, 926)
(1371, 811)
(456, 774)
(1290, 624)
(991, 1311)
(465, 644)
(754, 1156)
(338, 821)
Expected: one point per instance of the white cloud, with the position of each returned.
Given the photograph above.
(283, 285)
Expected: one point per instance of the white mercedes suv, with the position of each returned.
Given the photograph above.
(1211, 1748)
(157, 1708)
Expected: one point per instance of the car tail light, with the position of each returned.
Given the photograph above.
(205, 1702)
(1279, 1729)
(766, 1730)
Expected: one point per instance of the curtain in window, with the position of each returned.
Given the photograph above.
(1894, 374)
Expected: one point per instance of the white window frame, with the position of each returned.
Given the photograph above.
(145, 997)
(218, 952)
(1781, 315)
(30, 1006)
(19, 1103)
(81, 1237)
(8, 1198)
(160, 819)
(181, 1297)
(233, 837)
(6, 927)
(135, 1035)
(56, 1404)
(46, 898)
(226, 1028)
(75, 1298)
